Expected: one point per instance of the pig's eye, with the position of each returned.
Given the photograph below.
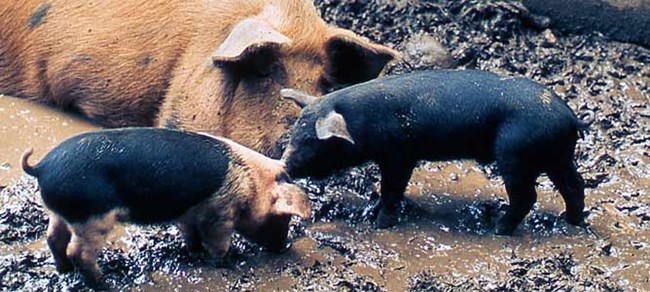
(259, 64)
(326, 85)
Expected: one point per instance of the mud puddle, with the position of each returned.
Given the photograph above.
(445, 240)
(23, 125)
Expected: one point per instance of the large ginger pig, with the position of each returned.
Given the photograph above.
(205, 65)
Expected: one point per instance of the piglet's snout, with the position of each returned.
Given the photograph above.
(292, 200)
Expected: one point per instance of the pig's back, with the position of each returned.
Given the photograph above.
(478, 101)
(437, 91)
(456, 112)
(153, 174)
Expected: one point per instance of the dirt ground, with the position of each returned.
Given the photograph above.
(445, 240)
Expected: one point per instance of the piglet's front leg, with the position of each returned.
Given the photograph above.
(192, 238)
(216, 239)
(395, 175)
(208, 227)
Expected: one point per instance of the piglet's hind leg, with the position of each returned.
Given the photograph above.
(87, 241)
(572, 188)
(58, 238)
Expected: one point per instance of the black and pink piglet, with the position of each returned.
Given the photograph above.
(210, 186)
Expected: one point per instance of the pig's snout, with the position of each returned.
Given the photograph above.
(292, 200)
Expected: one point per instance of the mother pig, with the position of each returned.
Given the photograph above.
(206, 65)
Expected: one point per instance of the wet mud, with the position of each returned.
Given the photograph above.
(24, 125)
(445, 239)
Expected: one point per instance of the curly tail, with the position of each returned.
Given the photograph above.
(25, 164)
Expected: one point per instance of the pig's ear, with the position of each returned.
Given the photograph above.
(302, 99)
(289, 199)
(248, 37)
(333, 125)
(353, 59)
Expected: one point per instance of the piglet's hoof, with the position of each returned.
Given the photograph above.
(575, 219)
(196, 254)
(385, 219)
(227, 262)
(279, 248)
(195, 250)
(372, 209)
(505, 227)
(64, 267)
(94, 282)
(99, 286)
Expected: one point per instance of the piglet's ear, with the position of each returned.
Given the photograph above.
(353, 59)
(302, 99)
(289, 199)
(248, 37)
(333, 125)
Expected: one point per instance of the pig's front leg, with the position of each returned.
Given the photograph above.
(215, 237)
(395, 175)
(192, 238)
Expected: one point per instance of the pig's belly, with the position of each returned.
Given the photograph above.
(160, 205)
(477, 146)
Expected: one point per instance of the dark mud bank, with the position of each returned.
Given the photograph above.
(623, 20)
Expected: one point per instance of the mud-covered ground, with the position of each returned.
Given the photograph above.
(444, 241)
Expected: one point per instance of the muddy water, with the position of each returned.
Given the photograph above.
(25, 125)
(445, 240)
